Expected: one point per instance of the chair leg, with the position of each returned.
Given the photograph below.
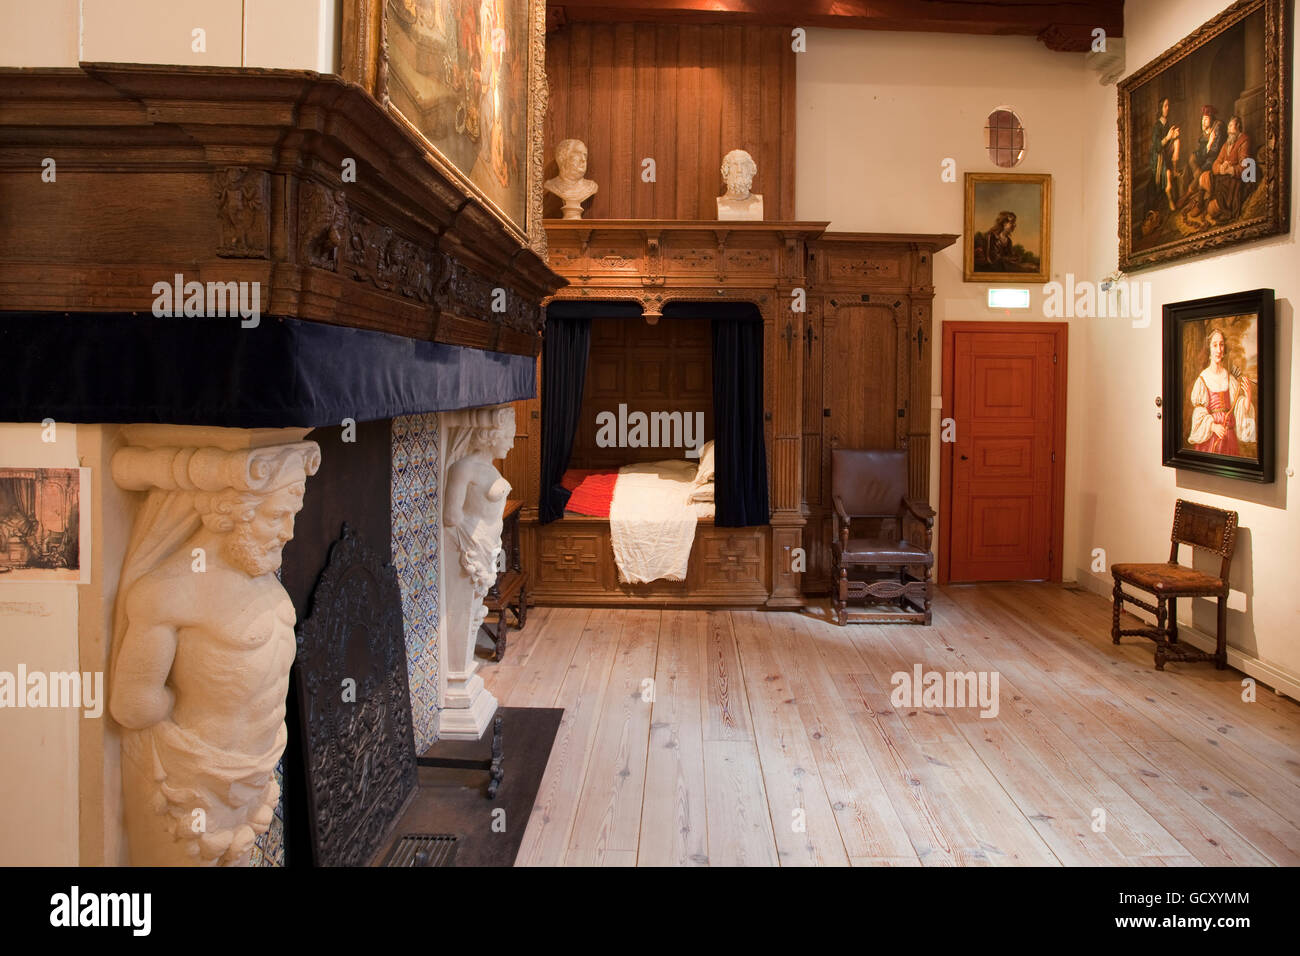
(842, 598)
(1221, 645)
(1161, 614)
(1118, 596)
(523, 607)
(1173, 620)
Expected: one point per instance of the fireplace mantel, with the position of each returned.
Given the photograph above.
(231, 174)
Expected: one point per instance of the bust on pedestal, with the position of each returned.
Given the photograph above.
(738, 171)
(571, 158)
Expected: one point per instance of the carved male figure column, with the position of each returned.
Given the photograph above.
(472, 510)
(203, 637)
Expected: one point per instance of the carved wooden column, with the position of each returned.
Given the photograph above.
(784, 399)
(203, 636)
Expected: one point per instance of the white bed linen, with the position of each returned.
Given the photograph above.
(651, 525)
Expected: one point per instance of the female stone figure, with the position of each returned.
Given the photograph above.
(472, 511)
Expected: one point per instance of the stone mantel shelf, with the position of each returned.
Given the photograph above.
(233, 174)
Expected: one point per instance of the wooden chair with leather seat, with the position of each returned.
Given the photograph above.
(1210, 529)
(887, 566)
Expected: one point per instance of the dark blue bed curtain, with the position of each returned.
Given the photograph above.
(565, 343)
(740, 453)
(564, 372)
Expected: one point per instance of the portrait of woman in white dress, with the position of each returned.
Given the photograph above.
(1222, 396)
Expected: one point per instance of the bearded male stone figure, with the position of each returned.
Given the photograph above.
(738, 172)
(203, 643)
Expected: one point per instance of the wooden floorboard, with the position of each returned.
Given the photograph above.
(751, 738)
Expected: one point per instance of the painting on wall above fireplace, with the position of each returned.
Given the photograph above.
(468, 78)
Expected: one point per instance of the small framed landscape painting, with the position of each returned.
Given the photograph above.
(1008, 227)
(1218, 385)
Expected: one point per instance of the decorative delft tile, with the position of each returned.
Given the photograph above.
(416, 517)
(268, 850)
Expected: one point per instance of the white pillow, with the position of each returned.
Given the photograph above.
(701, 494)
(705, 472)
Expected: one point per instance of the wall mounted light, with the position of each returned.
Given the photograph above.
(1008, 298)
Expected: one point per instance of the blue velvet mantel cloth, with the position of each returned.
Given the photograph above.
(116, 367)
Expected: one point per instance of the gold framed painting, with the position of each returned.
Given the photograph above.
(1205, 139)
(467, 76)
(1008, 227)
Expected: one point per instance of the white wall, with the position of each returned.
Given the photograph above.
(38, 747)
(288, 34)
(1125, 497)
(877, 115)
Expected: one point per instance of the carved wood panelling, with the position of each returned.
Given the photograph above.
(570, 558)
(861, 349)
(682, 96)
(727, 566)
(866, 360)
(666, 367)
(243, 170)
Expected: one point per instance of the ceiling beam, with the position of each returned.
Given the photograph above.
(1065, 26)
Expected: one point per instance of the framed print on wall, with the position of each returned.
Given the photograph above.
(1008, 227)
(1218, 385)
(1205, 139)
(468, 77)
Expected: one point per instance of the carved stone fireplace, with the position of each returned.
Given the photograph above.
(365, 381)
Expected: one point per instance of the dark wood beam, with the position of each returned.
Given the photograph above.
(1065, 26)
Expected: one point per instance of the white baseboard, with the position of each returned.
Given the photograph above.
(1282, 682)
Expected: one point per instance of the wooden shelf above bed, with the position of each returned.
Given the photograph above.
(654, 261)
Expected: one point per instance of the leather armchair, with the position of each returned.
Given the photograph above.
(888, 569)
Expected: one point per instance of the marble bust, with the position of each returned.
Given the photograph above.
(571, 158)
(203, 643)
(738, 171)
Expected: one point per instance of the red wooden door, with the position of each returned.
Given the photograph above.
(1004, 390)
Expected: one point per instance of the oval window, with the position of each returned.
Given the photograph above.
(1004, 137)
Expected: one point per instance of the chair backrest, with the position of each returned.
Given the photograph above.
(870, 482)
(1211, 529)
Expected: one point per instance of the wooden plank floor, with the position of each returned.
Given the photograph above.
(746, 738)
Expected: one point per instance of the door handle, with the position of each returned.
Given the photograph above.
(964, 458)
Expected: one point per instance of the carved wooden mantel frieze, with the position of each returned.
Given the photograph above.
(294, 180)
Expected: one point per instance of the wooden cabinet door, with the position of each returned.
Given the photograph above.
(865, 380)
(1005, 390)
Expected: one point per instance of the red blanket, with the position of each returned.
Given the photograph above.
(593, 490)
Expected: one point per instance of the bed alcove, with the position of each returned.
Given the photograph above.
(796, 282)
(693, 373)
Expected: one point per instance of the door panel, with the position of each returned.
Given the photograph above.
(1003, 399)
(862, 377)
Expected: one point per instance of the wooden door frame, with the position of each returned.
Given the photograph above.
(1061, 332)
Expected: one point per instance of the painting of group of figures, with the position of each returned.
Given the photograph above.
(1205, 139)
